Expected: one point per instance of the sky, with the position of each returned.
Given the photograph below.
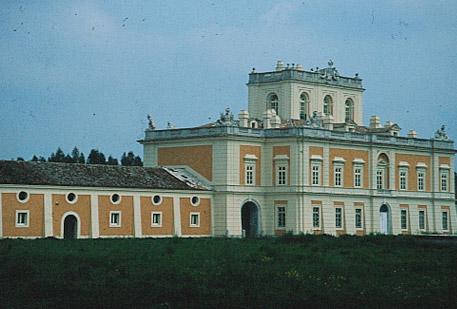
(86, 73)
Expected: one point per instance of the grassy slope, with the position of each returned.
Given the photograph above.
(276, 273)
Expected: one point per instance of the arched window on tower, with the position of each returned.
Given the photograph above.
(349, 110)
(328, 105)
(304, 106)
(272, 102)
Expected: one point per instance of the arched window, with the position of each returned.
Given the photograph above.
(349, 110)
(328, 105)
(304, 105)
(272, 102)
(382, 172)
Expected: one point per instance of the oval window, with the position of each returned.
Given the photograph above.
(22, 196)
(115, 198)
(195, 200)
(71, 197)
(156, 199)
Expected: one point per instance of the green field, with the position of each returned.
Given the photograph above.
(319, 271)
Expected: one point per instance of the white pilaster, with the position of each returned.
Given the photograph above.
(326, 166)
(48, 228)
(137, 215)
(1, 216)
(94, 216)
(177, 215)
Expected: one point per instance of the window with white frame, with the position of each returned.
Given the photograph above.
(358, 218)
(281, 216)
(249, 173)
(444, 177)
(358, 170)
(422, 220)
(328, 105)
(349, 110)
(304, 103)
(338, 217)
(194, 219)
(156, 219)
(420, 179)
(281, 174)
(115, 219)
(22, 218)
(272, 102)
(444, 221)
(404, 219)
(380, 178)
(338, 175)
(316, 173)
(316, 217)
(403, 178)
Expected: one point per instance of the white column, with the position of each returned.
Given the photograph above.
(177, 215)
(1, 216)
(137, 215)
(48, 226)
(94, 216)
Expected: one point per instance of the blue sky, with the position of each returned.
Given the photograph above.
(87, 73)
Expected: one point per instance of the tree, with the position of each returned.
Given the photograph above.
(96, 157)
(112, 161)
(59, 156)
(130, 159)
(38, 159)
(81, 159)
(20, 159)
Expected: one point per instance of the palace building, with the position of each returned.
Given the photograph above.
(298, 160)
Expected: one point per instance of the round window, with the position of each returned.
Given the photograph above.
(71, 197)
(195, 200)
(115, 198)
(156, 199)
(22, 196)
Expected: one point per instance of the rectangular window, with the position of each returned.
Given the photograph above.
(115, 219)
(250, 174)
(444, 181)
(194, 219)
(380, 179)
(444, 221)
(358, 218)
(420, 180)
(22, 218)
(403, 179)
(358, 177)
(422, 220)
(281, 174)
(339, 217)
(316, 177)
(404, 219)
(281, 216)
(338, 176)
(156, 219)
(316, 217)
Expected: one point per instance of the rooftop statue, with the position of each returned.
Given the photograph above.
(441, 133)
(151, 124)
(226, 118)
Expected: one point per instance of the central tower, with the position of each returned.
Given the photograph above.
(295, 93)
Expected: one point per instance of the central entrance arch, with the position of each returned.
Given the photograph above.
(250, 219)
(384, 219)
(70, 227)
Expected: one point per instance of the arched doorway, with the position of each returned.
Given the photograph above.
(250, 219)
(384, 219)
(70, 227)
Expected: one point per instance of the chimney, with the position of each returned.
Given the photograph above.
(375, 122)
(327, 122)
(275, 120)
(243, 116)
(279, 65)
(299, 67)
(388, 124)
(412, 134)
(267, 119)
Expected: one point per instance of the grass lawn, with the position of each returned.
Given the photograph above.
(311, 271)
